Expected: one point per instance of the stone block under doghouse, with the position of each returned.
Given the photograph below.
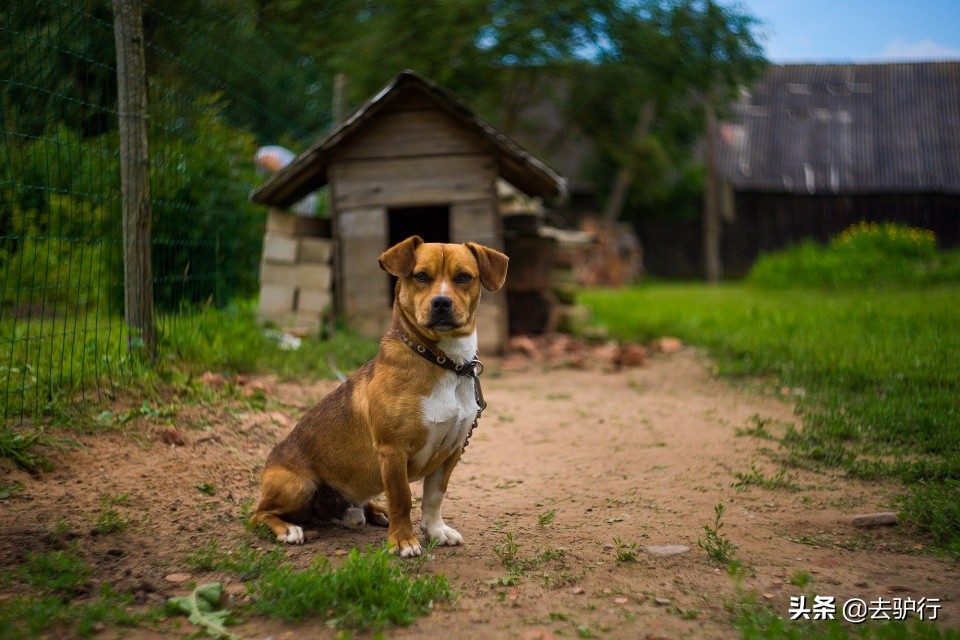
(310, 275)
(315, 250)
(282, 222)
(280, 248)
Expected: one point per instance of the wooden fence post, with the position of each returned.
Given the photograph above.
(134, 175)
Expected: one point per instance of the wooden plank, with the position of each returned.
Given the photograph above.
(474, 219)
(424, 190)
(410, 133)
(408, 168)
(362, 222)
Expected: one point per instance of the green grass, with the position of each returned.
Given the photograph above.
(878, 370)
(245, 562)
(46, 364)
(61, 577)
(367, 591)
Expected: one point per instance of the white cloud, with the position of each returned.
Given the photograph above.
(900, 49)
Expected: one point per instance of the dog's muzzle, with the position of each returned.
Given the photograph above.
(441, 314)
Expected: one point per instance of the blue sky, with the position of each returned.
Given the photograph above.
(858, 30)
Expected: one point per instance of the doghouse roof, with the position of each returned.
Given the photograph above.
(308, 171)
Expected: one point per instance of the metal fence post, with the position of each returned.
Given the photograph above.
(134, 175)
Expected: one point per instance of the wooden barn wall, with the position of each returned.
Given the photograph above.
(770, 221)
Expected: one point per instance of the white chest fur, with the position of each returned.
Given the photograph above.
(451, 407)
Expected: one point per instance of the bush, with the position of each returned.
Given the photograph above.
(866, 254)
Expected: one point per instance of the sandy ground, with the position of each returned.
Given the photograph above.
(640, 456)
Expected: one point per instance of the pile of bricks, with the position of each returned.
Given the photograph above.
(295, 272)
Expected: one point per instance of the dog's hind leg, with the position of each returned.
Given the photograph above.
(283, 493)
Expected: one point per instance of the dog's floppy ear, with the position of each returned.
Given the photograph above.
(400, 259)
(492, 264)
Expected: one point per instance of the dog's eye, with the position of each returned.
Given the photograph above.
(463, 278)
(420, 276)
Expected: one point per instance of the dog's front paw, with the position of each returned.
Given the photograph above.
(294, 535)
(406, 548)
(444, 535)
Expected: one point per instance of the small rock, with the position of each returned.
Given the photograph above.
(862, 584)
(669, 345)
(170, 435)
(632, 355)
(536, 634)
(666, 550)
(621, 600)
(523, 345)
(178, 578)
(98, 627)
(341, 552)
(899, 588)
(768, 596)
(870, 520)
(662, 601)
(578, 591)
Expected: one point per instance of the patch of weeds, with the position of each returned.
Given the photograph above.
(109, 520)
(800, 578)
(626, 552)
(757, 478)
(546, 518)
(206, 488)
(367, 591)
(759, 428)
(715, 543)
(507, 551)
(516, 565)
(30, 617)
(63, 572)
(245, 562)
(583, 631)
(558, 617)
(935, 508)
(26, 447)
(11, 491)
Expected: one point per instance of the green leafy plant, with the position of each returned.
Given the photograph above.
(756, 477)
(714, 543)
(202, 608)
(546, 518)
(626, 551)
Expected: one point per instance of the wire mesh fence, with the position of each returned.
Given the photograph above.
(218, 84)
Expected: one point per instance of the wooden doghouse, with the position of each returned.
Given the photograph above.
(413, 160)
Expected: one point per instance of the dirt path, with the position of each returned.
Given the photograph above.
(641, 456)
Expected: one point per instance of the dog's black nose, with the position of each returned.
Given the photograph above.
(441, 303)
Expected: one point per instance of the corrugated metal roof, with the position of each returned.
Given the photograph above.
(846, 128)
(308, 171)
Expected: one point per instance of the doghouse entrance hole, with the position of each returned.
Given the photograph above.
(430, 223)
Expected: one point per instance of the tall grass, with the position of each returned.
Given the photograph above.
(878, 368)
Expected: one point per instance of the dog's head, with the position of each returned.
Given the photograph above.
(438, 285)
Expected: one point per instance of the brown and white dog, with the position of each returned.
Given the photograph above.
(399, 417)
